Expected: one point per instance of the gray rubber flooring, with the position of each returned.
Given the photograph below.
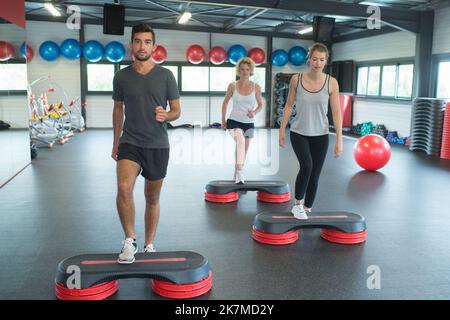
(64, 205)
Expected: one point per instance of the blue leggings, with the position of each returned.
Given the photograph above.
(311, 153)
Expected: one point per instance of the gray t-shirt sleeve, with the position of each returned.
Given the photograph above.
(117, 89)
(172, 87)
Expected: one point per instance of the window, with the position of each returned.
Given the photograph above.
(259, 77)
(362, 81)
(443, 83)
(13, 76)
(373, 83)
(174, 70)
(100, 77)
(203, 79)
(388, 81)
(405, 80)
(393, 81)
(221, 77)
(194, 79)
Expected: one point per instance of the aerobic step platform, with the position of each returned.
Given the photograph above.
(178, 274)
(282, 228)
(223, 191)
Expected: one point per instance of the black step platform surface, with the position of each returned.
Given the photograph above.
(227, 186)
(275, 222)
(179, 267)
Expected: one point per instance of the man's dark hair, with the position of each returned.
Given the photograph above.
(142, 27)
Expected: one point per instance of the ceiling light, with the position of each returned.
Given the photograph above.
(306, 30)
(51, 8)
(369, 3)
(185, 16)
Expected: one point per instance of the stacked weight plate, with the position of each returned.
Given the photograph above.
(445, 148)
(427, 120)
(281, 89)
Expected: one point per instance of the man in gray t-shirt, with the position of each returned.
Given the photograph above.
(141, 144)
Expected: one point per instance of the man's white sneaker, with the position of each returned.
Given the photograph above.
(149, 248)
(129, 249)
(299, 212)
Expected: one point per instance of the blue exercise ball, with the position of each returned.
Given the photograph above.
(23, 50)
(297, 55)
(235, 53)
(115, 51)
(71, 49)
(93, 51)
(49, 51)
(279, 57)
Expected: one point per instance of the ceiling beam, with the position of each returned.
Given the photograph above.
(363, 34)
(181, 28)
(398, 18)
(175, 11)
(240, 21)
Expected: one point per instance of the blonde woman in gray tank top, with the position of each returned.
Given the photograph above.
(311, 91)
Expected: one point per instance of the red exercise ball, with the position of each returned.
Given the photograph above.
(217, 55)
(29, 52)
(159, 55)
(6, 51)
(195, 54)
(372, 152)
(257, 55)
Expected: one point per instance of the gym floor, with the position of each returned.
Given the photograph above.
(64, 205)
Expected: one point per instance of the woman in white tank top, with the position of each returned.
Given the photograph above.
(247, 102)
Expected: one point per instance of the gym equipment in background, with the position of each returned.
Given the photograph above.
(236, 52)
(280, 57)
(70, 49)
(27, 52)
(93, 51)
(427, 122)
(257, 55)
(49, 51)
(297, 55)
(195, 54)
(115, 52)
(217, 55)
(6, 51)
(159, 55)
(280, 92)
(52, 116)
(445, 146)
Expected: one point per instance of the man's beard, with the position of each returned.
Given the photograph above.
(145, 58)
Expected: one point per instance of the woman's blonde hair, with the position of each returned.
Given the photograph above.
(248, 61)
(320, 47)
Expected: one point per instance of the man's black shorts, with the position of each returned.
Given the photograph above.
(153, 161)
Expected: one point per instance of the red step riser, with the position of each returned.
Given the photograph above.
(97, 292)
(174, 291)
(275, 242)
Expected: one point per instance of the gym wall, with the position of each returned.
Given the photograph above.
(441, 32)
(394, 115)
